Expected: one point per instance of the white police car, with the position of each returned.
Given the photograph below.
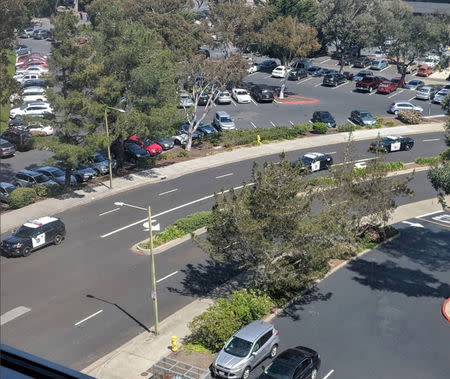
(313, 162)
(34, 234)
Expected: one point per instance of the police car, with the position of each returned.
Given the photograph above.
(34, 234)
(313, 162)
(392, 143)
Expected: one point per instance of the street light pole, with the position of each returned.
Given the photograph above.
(152, 257)
(108, 149)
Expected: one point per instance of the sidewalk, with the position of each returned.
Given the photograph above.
(135, 358)
(89, 194)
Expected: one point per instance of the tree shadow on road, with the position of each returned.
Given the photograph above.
(211, 279)
(388, 276)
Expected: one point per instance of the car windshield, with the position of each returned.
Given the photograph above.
(365, 115)
(23, 232)
(414, 82)
(241, 92)
(278, 370)
(41, 178)
(225, 119)
(238, 347)
(99, 158)
(306, 160)
(9, 189)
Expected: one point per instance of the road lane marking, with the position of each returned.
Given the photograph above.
(88, 317)
(331, 152)
(233, 102)
(433, 222)
(326, 60)
(165, 193)
(169, 211)
(328, 375)
(413, 224)
(167, 276)
(111, 211)
(268, 76)
(372, 93)
(223, 176)
(251, 122)
(12, 314)
(384, 68)
(412, 98)
(272, 123)
(318, 84)
(429, 214)
(253, 101)
(432, 139)
(303, 81)
(340, 85)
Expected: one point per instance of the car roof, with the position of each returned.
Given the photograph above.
(6, 185)
(34, 88)
(292, 357)
(222, 113)
(253, 331)
(40, 221)
(313, 155)
(29, 172)
(48, 168)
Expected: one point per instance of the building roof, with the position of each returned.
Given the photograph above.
(429, 7)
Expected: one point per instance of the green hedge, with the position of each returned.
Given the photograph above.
(320, 128)
(445, 155)
(387, 166)
(322, 181)
(348, 127)
(428, 160)
(214, 327)
(21, 197)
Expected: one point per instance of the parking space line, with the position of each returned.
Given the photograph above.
(318, 84)
(268, 76)
(372, 93)
(291, 122)
(351, 122)
(385, 68)
(429, 214)
(328, 375)
(253, 101)
(234, 103)
(433, 222)
(331, 152)
(326, 60)
(431, 139)
(223, 176)
(12, 314)
(303, 81)
(111, 211)
(272, 123)
(412, 98)
(251, 122)
(340, 85)
(167, 276)
(165, 193)
(393, 94)
(88, 317)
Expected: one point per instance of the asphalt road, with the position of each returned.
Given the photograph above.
(96, 260)
(380, 315)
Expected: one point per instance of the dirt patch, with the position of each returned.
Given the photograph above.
(333, 263)
(193, 358)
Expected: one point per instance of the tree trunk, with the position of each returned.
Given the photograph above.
(188, 143)
(67, 177)
(120, 152)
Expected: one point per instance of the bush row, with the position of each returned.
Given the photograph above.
(179, 229)
(388, 166)
(22, 197)
(410, 117)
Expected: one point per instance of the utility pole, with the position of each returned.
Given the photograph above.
(152, 257)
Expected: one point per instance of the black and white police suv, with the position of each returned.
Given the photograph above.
(33, 235)
(313, 162)
(392, 143)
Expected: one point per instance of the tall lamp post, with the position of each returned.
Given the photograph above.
(151, 228)
(108, 146)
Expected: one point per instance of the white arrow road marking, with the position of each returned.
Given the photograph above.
(12, 314)
(328, 375)
(167, 276)
(88, 317)
(414, 224)
(165, 193)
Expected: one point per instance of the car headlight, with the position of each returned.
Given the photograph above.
(19, 244)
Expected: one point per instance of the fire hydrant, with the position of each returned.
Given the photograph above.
(174, 343)
(258, 139)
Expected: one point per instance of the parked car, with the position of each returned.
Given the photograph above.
(280, 72)
(368, 84)
(100, 163)
(19, 138)
(362, 62)
(313, 70)
(38, 82)
(392, 143)
(411, 69)
(34, 94)
(312, 162)
(37, 109)
(223, 97)
(297, 74)
(56, 174)
(319, 72)
(334, 79)
(424, 70)
(7, 149)
(296, 363)
(348, 75)
(206, 129)
(363, 118)
(152, 147)
(27, 33)
(325, 117)
(34, 70)
(5, 191)
(165, 143)
(361, 75)
(41, 34)
(29, 178)
(414, 84)
(41, 129)
(379, 54)
(223, 121)
(379, 64)
(185, 101)
(180, 138)
(440, 96)
(247, 348)
(195, 135)
(426, 92)
(33, 235)
(403, 106)
(399, 82)
(261, 94)
(386, 87)
(302, 64)
(267, 65)
(84, 173)
(240, 95)
(203, 99)
(253, 67)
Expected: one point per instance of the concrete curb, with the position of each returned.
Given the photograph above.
(446, 309)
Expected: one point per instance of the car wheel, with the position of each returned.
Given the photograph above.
(26, 251)
(314, 373)
(246, 373)
(58, 239)
(273, 351)
(408, 147)
(370, 89)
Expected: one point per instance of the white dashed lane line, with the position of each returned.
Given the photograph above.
(223, 176)
(165, 193)
(328, 375)
(326, 60)
(111, 211)
(12, 314)
(167, 276)
(88, 317)
(432, 139)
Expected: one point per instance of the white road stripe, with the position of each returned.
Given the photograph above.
(167, 211)
(111, 211)
(278, 102)
(432, 139)
(268, 76)
(233, 102)
(328, 375)
(291, 123)
(384, 68)
(351, 122)
(412, 98)
(253, 124)
(165, 193)
(318, 84)
(303, 81)
(341, 85)
(326, 60)
(253, 101)
(272, 123)
(429, 214)
(12, 314)
(167, 276)
(435, 115)
(223, 176)
(393, 94)
(372, 93)
(88, 317)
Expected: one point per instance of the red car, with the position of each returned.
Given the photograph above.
(152, 147)
(369, 83)
(424, 70)
(33, 64)
(386, 87)
(398, 82)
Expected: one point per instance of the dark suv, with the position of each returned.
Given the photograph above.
(334, 80)
(261, 95)
(362, 62)
(20, 138)
(33, 235)
(325, 117)
(368, 84)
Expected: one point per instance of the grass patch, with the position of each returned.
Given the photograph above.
(369, 245)
(322, 181)
(191, 347)
(428, 160)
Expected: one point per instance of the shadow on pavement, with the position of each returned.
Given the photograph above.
(388, 276)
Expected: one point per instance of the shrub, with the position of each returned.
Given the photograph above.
(379, 122)
(193, 222)
(445, 155)
(182, 154)
(393, 166)
(428, 160)
(322, 181)
(215, 326)
(348, 127)
(146, 162)
(21, 197)
(302, 128)
(389, 123)
(410, 117)
(320, 128)
(41, 191)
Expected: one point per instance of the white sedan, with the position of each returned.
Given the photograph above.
(40, 129)
(280, 72)
(241, 95)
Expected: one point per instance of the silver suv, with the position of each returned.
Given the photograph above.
(247, 348)
(223, 121)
